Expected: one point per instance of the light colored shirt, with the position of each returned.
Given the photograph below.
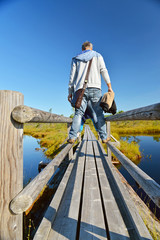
(79, 67)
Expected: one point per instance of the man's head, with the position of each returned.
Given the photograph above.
(87, 46)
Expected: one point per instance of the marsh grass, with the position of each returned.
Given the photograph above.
(51, 135)
(136, 127)
(130, 150)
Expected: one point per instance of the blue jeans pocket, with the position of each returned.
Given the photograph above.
(96, 95)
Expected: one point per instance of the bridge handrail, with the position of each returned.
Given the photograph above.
(27, 196)
(13, 115)
(151, 112)
(25, 114)
(151, 187)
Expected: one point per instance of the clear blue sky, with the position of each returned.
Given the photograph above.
(38, 39)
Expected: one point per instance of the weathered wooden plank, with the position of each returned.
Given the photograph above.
(70, 154)
(27, 196)
(146, 214)
(47, 221)
(147, 183)
(116, 226)
(151, 112)
(116, 143)
(92, 220)
(108, 136)
(65, 224)
(11, 164)
(24, 114)
(132, 219)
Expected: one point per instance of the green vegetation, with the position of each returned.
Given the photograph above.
(51, 135)
(136, 127)
(122, 128)
(130, 150)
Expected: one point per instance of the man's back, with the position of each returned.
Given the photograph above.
(92, 92)
(79, 69)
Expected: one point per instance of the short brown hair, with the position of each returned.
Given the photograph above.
(86, 44)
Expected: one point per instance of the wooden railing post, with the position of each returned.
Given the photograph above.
(109, 135)
(70, 154)
(11, 164)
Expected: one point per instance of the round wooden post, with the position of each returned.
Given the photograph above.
(70, 154)
(109, 135)
(11, 164)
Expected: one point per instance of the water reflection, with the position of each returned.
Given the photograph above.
(150, 164)
(31, 158)
(137, 138)
(157, 139)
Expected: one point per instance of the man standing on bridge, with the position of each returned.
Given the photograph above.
(92, 92)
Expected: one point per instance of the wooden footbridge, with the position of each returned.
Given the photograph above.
(91, 201)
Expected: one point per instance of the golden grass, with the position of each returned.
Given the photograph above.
(136, 127)
(130, 150)
(50, 135)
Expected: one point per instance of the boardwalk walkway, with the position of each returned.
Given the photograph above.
(91, 201)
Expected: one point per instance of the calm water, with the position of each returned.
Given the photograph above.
(31, 158)
(150, 162)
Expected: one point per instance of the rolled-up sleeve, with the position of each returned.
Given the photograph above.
(103, 70)
(72, 77)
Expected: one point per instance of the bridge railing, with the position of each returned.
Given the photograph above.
(25, 114)
(151, 112)
(14, 199)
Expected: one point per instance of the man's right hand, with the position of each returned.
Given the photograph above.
(70, 98)
(109, 87)
(110, 90)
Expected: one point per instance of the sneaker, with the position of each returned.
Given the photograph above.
(71, 140)
(106, 140)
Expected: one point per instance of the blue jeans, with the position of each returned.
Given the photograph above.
(89, 114)
(93, 95)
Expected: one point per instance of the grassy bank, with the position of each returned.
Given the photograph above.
(136, 127)
(131, 150)
(50, 135)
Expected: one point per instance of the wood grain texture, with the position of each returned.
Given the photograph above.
(133, 221)
(116, 225)
(151, 112)
(147, 183)
(91, 197)
(27, 196)
(92, 220)
(116, 143)
(50, 215)
(11, 164)
(70, 154)
(65, 224)
(148, 217)
(24, 114)
(109, 135)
